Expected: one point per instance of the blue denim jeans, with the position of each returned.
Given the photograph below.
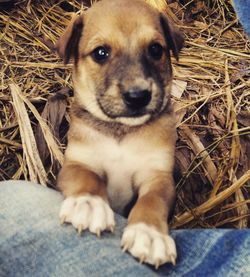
(242, 8)
(32, 243)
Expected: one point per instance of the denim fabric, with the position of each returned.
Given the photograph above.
(242, 8)
(32, 243)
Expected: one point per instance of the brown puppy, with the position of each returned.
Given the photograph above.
(122, 135)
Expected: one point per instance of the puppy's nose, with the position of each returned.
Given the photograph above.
(137, 99)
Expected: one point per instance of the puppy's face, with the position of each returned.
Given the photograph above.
(122, 69)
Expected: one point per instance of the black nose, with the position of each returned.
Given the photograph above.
(137, 99)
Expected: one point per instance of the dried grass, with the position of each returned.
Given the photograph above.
(211, 97)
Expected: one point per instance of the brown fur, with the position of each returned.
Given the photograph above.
(99, 115)
(114, 129)
(93, 184)
(154, 207)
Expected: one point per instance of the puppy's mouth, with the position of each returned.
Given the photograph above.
(126, 113)
(133, 103)
(118, 111)
(126, 108)
(132, 116)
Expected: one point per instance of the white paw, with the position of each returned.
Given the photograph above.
(148, 245)
(87, 212)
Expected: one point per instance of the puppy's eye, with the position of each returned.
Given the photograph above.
(155, 50)
(100, 54)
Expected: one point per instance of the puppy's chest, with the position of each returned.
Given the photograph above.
(120, 163)
(125, 164)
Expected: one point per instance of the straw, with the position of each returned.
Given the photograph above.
(211, 97)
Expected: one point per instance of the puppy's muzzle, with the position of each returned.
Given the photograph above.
(136, 99)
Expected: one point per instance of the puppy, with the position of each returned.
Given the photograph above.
(122, 134)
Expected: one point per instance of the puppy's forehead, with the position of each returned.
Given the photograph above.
(121, 21)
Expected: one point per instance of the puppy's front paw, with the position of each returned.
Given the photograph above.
(87, 212)
(148, 245)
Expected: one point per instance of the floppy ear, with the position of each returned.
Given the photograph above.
(67, 45)
(173, 36)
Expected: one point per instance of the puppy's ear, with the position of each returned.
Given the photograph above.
(173, 36)
(67, 45)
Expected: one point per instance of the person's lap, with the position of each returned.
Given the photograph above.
(32, 243)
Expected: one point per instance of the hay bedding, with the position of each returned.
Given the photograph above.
(211, 96)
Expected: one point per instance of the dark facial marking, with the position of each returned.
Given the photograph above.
(159, 75)
(125, 69)
(159, 71)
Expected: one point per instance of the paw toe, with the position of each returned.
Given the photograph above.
(148, 245)
(87, 212)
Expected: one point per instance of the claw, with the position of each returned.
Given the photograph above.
(157, 264)
(98, 233)
(172, 260)
(62, 220)
(142, 259)
(125, 248)
(112, 229)
(80, 229)
(126, 245)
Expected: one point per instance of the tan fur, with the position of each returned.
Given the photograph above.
(96, 150)
(154, 202)
(93, 184)
(111, 153)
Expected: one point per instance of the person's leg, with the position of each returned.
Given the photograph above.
(242, 8)
(32, 243)
(211, 252)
